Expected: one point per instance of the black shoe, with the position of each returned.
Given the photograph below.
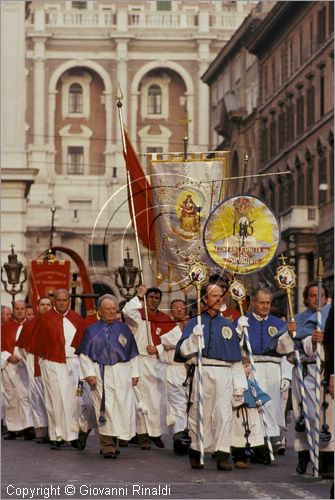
(29, 434)
(134, 440)
(74, 443)
(157, 441)
(82, 438)
(303, 459)
(9, 435)
(179, 448)
(55, 445)
(195, 459)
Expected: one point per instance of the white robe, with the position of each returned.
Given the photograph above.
(36, 394)
(15, 391)
(256, 436)
(150, 393)
(119, 397)
(219, 383)
(176, 393)
(60, 382)
(268, 372)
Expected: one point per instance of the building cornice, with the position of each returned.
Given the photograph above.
(270, 28)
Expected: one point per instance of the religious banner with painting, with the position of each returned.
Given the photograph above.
(185, 192)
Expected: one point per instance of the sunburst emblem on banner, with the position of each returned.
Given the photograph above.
(241, 234)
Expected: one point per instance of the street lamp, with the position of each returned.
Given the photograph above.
(128, 274)
(13, 269)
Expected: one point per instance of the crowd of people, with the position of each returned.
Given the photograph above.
(133, 376)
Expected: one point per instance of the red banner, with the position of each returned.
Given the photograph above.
(46, 276)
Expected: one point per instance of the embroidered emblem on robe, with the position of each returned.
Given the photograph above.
(122, 339)
(227, 333)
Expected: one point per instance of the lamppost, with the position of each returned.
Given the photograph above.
(13, 269)
(128, 274)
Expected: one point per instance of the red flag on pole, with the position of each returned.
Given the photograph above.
(142, 196)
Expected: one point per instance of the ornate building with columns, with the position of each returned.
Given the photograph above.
(78, 56)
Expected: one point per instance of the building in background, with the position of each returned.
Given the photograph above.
(276, 105)
(75, 57)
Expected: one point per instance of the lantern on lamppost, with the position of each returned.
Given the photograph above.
(128, 274)
(13, 269)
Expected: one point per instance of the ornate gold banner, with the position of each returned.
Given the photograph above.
(241, 234)
(185, 192)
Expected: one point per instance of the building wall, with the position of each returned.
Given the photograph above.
(296, 135)
(255, 83)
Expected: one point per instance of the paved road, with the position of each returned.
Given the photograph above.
(70, 474)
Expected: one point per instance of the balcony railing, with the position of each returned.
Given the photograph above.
(80, 19)
(198, 21)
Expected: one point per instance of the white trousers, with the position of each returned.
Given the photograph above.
(150, 397)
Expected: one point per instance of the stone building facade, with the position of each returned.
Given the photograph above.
(289, 129)
(79, 55)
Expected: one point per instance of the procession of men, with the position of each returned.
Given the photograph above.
(134, 377)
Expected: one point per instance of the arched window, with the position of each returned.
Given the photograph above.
(75, 98)
(310, 178)
(154, 100)
(290, 191)
(300, 182)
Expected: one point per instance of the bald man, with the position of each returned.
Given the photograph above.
(59, 369)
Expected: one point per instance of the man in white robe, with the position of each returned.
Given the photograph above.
(59, 369)
(150, 392)
(109, 364)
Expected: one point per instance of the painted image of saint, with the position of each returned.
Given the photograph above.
(189, 215)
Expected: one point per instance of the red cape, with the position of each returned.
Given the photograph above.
(8, 335)
(160, 321)
(48, 341)
(26, 333)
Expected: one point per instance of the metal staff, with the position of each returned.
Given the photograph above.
(318, 373)
(286, 280)
(119, 106)
(198, 276)
(237, 292)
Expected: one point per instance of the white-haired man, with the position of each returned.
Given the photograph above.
(108, 359)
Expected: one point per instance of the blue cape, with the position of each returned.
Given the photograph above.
(261, 334)
(108, 344)
(221, 339)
